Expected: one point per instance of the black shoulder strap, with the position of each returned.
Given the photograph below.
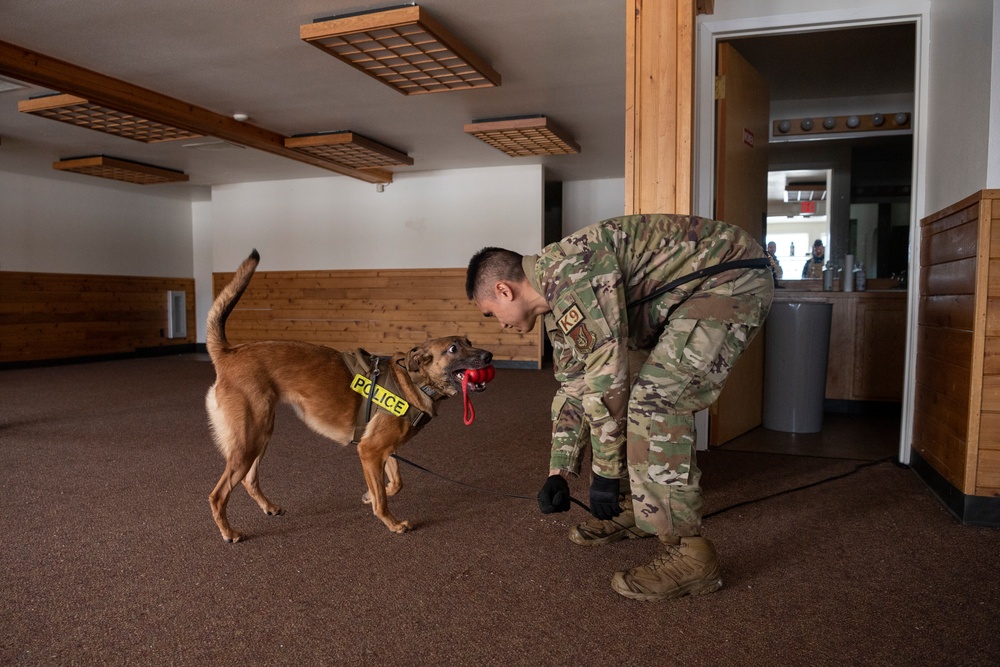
(756, 263)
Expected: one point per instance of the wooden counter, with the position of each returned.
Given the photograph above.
(957, 413)
(867, 341)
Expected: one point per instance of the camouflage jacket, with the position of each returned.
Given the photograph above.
(588, 279)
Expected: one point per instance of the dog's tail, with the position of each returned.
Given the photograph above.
(215, 331)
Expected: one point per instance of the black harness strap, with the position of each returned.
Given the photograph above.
(756, 263)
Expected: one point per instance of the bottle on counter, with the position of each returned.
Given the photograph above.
(860, 281)
(791, 250)
(828, 273)
(847, 276)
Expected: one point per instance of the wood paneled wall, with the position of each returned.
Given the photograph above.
(957, 412)
(383, 311)
(47, 316)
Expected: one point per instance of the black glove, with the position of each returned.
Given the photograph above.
(604, 498)
(554, 496)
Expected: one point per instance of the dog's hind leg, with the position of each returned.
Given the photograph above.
(393, 480)
(374, 458)
(242, 446)
(252, 484)
(236, 470)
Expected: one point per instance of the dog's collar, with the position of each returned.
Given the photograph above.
(428, 390)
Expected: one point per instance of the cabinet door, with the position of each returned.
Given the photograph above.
(880, 349)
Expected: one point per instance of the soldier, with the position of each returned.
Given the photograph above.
(689, 292)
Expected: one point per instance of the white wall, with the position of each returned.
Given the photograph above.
(961, 34)
(993, 167)
(54, 225)
(587, 202)
(201, 233)
(421, 220)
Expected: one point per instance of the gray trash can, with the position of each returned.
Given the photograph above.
(796, 347)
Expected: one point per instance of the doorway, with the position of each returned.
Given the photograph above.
(824, 73)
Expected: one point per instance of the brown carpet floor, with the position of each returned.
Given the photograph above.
(109, 554)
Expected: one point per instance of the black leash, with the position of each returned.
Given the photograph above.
(509, 495)
(855, 470)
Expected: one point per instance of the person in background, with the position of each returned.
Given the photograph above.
(814, 267)
(772, 254)
(689, 293)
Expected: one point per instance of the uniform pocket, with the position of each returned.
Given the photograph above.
(686, 352)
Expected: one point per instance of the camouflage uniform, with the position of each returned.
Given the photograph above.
(694, 335)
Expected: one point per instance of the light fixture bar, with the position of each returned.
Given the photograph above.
(37, 68)
(522, 136)
(120, 170)
(826, 125)
(79, 111)
(404, 48)
(348, 149)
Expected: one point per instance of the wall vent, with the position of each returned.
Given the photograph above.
(176, 314)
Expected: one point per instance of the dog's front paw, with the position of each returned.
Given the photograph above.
(232, 537)
(401, 527)
(366, 498)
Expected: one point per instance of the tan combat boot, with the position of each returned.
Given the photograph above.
(596, 532)
(688, 568)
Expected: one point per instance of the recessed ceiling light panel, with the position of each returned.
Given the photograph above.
(78, 111)
(404, 48)
(522, 136)
(348, 149)
(7, 85)
(120, 170)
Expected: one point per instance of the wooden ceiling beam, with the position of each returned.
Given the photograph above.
(41, 70)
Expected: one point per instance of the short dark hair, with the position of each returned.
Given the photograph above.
(492, 264)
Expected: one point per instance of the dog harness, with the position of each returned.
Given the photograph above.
(373, 380)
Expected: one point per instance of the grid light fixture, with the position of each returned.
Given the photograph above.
(521, 136)
(119, 169)
(79, 111)
(348, 149)
(404, 48)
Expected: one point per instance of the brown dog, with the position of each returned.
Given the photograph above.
(252, 378)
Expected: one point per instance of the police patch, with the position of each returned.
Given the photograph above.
(570, 319)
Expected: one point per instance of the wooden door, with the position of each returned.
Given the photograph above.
(742, 119)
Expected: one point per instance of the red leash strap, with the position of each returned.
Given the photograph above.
(468, 413)
(475, 375)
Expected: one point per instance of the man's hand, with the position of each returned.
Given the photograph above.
(604, 498)
(554, 496)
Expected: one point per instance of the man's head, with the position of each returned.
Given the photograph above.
(772, 248)
(495, 281)
(818, 249)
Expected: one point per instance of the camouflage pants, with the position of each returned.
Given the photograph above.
(684, 373)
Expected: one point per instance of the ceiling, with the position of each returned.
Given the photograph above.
(565, 60)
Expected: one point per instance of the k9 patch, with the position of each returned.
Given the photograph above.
(574, 326)
(570, 319)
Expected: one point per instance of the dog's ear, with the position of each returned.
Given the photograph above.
(414, 358)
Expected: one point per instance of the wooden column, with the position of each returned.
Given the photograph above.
(659, 96)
